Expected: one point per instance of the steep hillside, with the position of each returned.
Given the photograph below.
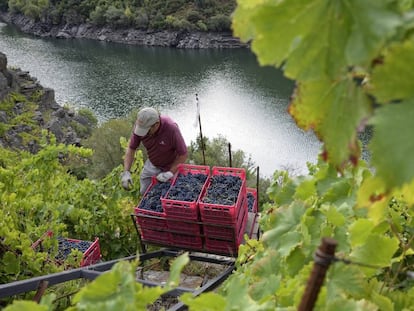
(26, 107)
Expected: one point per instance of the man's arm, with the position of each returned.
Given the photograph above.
(179, 159)
(129, 158)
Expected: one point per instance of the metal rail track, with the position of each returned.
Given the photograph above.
(93, 271)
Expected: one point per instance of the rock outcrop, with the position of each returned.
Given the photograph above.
(162, 38)
(46, 114)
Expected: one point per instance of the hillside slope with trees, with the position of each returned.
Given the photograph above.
(169, 23)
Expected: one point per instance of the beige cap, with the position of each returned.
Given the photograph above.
(146, 118)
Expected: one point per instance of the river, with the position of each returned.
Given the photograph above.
(245, 103)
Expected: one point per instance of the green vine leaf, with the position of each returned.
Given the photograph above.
(205, 302)
(26, 306)
(392, 143)
(345, 280)
(373, 22)
(176, 268)
(11, 263)
(359, 231)
(315, 38)
(394, 79)
(369, 253)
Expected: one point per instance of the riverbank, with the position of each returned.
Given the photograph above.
(160, 38)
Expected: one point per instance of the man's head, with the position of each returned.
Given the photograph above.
(146, 118)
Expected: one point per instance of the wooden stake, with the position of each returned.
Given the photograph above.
(40, 290)
(323, 258)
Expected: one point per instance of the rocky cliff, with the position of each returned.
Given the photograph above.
(22, 96)
(175, 39)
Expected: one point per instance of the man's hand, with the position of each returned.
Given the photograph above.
(164, 176)
(126, 180)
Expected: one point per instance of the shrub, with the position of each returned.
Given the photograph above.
(219, 23)
(108, 153)
(87, 113)
(201, 26)
(114, 15)
(97, 16)
(194, 16)
(141, 20)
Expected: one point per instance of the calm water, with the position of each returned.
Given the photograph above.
(238, 99)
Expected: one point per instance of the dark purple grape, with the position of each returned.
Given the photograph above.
(223, 190)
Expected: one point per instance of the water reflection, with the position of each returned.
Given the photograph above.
(239, 99)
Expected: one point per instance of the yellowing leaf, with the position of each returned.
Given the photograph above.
(334, 111)
(359, 231)
(377, 212)
(372, 188)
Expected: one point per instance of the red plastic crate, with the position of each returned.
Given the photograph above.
(91, 256)
(183, 226)
(252, 192)
(143, 216)
(145, 220)
(223, 214)
(186, 240)
(222, 246)
(185, 209)
(155, 236)
(230, 230)
(234, 171)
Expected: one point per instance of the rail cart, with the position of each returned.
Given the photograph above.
(210, 233)
(201, 224)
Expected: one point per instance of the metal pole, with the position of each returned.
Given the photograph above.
(230, 159)
(201, 132)
(257, 186)
(323, 257)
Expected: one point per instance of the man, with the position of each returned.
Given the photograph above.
(165, 147)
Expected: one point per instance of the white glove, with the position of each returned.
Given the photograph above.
(164, 176)
(126, 180)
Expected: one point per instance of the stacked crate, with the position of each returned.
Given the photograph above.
(152, 222)
(91, 251)
(224, 224)
(181, 205)
(188, 219)
(251, 196)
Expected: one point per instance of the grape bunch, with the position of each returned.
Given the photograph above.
(152, 200)
(250, 201)
(65, 247)
(223, 190)
(187, 187)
